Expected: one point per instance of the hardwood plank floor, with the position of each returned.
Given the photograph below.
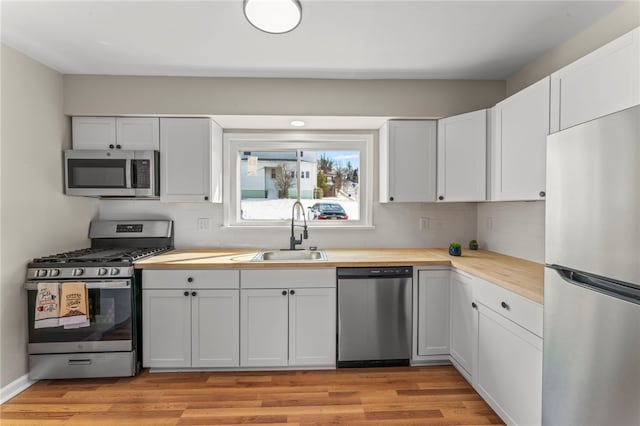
(435, 395)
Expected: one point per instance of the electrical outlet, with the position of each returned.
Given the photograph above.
(203, 224)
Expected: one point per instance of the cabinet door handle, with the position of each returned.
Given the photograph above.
(542, 193)
(190, 279)
(505, 306)
(194, 293)
(284, 292)
(111, 146)
(473, 305)
(292, 292)
(206, 198)
(390, 198)
(186, 293)
(441, 198)
(118, 146)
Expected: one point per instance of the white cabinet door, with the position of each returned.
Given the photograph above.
(93, 132)
(604, 81)
(408, 161)
(509, 371)
(433, 312)
(463, 324)
(187, 155)
(518, 152)
(215, 332)
(312, 326)
(166, 335)
(263, 327)
(138, 133)
(462, 157)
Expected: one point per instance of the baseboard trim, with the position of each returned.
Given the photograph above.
(15, 387)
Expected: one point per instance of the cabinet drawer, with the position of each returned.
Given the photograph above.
(190, 278)
(518, 309)
(287, 278)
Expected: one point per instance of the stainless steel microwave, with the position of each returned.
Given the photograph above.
(111, 173)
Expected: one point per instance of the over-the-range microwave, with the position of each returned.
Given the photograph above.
(111, 173)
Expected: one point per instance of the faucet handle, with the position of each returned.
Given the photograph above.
(305, 233)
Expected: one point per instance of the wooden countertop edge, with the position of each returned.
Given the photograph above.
(511, 277)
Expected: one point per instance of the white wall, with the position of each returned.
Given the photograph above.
(396, 225)
(37, 219)
(513, 228)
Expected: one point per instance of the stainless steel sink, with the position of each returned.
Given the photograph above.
(290, 256)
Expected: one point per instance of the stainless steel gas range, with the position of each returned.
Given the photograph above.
(110, 345)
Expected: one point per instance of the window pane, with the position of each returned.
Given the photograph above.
(268, 186)
(337, 193)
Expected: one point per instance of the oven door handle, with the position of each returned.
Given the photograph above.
(107, 285)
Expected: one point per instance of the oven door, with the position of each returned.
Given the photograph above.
(98, 173)
(111, 322)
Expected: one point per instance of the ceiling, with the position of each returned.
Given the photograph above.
(336, 39)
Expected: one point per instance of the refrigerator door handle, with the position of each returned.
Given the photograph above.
(619, 290)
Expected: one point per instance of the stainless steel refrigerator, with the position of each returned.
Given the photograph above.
(591, 362)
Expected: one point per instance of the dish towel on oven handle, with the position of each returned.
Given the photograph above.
(74, 306)
(47, 306)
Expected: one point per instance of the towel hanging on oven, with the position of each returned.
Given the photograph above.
(47, 306)
(74, 309)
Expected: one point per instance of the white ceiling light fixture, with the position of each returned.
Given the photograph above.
(297, 123)
(273, 16)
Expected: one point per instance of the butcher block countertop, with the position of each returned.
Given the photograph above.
(518, 275)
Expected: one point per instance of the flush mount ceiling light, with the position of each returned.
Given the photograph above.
(273, 16)
(297, 123)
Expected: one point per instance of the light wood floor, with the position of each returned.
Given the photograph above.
(435, 395)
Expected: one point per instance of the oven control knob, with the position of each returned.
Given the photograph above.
(102, 271)
(77, 272)
(114, 271)
(41, 273)
(54, 272)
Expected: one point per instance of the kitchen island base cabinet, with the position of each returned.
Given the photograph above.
(190, 328)
(509, 369)
(288, 327)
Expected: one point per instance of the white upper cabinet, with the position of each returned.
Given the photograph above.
(518, 144)
(191, 160)
(462, 151)
(604, 81)
(130, 133)
(138, 133)
(408, 161)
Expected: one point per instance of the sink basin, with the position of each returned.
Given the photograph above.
(290, 256)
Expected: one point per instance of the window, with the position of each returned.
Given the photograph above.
(328, 173)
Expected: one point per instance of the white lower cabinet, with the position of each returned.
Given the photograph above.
(433, 312)
(190, 328)
(288, 327)
(463, 338)
(509, 370)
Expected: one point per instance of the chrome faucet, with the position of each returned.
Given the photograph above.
(305, 234)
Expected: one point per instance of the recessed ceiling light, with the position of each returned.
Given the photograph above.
(297, 123)
(273, 16)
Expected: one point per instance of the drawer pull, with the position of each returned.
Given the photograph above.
(505, 306)
(473, 305)
(79, 362)
(186, 293)
(190, 279)
(284, 292)
(194, 293)
(292, 292)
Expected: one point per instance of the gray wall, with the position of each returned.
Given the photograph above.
(37, 218)
(620, 21)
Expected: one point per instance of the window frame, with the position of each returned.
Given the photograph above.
(299, 141)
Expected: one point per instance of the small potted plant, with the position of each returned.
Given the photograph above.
(455, 249)
(473, 245)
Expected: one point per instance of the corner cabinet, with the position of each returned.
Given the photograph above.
(520, 125)
(191, 160)
(433, 312)
(604, 81)
(288, 318)
(129, 133)
(462, 157)
(190, 318)
(408, 161)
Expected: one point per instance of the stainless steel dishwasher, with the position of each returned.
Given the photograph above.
(374, 316)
